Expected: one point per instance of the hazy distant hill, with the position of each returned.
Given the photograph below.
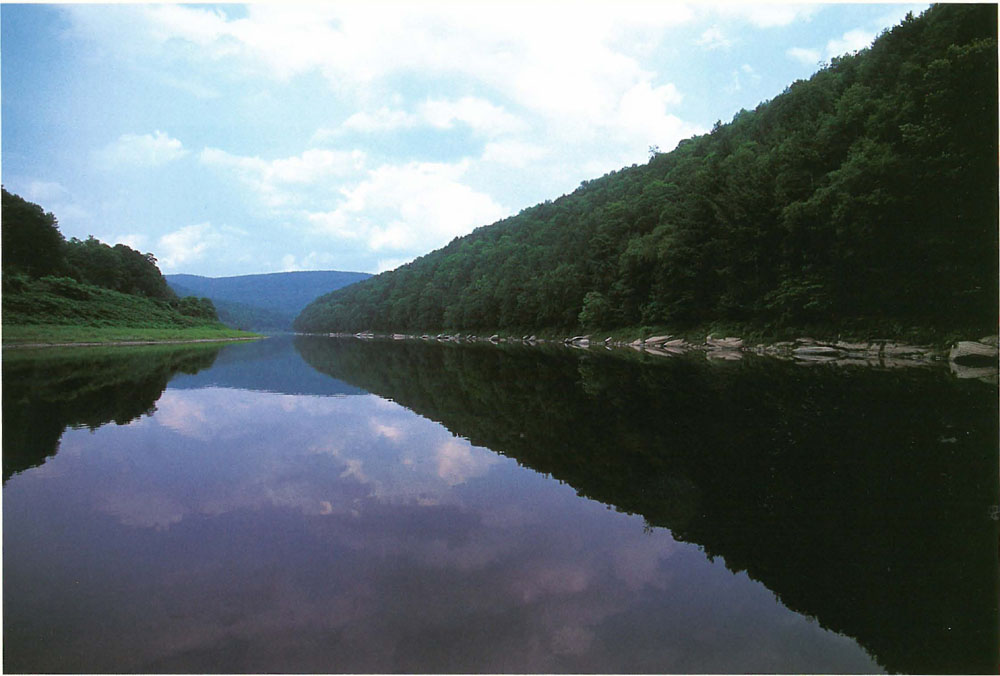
(263, 302)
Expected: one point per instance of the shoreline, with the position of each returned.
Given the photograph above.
(126, 343)
(872, 353)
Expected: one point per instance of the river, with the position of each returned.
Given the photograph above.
(313, 504)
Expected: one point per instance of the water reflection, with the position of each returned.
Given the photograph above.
(46, 391)
(860, 497)
(250, 530)
(266, 366)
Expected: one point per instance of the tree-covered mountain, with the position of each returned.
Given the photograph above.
(33, 247)
(49, 281)
(266, 301)
(866, 195)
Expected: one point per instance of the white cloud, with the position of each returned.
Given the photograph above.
(713, 38)
(389, 431)
(43, 192)
(314, 260)
(274, 181)
(145, 150)
(184, 415)
(477, 113)
(744, 72)
(458, 461)
(549, 77)
(134, 240)
(567, 64)
(386, 264)
(851, 41)
(643, 119)
(767, 15)
(188, 244)
(559, 92)
(382, 119)
(809, 57)
(410, 208)
(513, 153)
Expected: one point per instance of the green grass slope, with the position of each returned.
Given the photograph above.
(59, 309)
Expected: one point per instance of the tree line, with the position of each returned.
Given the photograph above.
(35, 254)
(867, 193)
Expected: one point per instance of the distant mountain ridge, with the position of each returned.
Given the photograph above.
(263, 302)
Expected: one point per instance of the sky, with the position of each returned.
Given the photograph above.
(240, 139)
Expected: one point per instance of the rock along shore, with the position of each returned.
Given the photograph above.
(966, 359)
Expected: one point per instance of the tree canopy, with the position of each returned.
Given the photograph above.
(38, 263)
(868, 191)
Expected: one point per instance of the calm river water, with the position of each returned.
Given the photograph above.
(324, 505)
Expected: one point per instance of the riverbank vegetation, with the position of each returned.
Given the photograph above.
(864, 197)
(59, 291)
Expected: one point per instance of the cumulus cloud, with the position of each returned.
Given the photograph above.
(188, 244)
(513, 153)
(809, 57)
(851, 41)
(134, 240)
(379, 120)
(768, 15)
(141, 150)
(560, 93)
(474, 112)
(275, 181)
(713, 38)
(386, 264)
(45, 191)
(412, 207)
(740, 75)
(314, 260)
(458, 461)
(569, 68)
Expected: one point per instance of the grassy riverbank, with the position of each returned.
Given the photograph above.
(52, 334)
(53, 310)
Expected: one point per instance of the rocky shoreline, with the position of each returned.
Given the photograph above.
(966, 359)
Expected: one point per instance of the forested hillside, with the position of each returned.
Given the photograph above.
(866, 194)
(33, 247)
(264, 302)
(51, 282)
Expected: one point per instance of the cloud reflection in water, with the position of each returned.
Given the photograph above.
(238, 530)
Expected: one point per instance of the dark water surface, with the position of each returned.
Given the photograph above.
(323, 505)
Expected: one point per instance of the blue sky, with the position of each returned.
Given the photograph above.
(238, 139)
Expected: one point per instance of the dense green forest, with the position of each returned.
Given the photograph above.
(263, 302)
(51, 281)
(865, 196)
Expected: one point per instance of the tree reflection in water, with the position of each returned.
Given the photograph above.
(859, 496)
(46, 391)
